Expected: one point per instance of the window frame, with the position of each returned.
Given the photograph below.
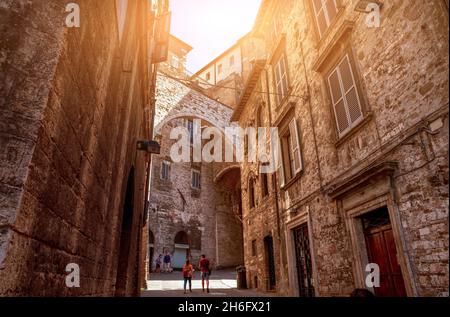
(232, 60)
(280, 98)
(365, 113)
(286, 167)
(254, 246)
(329, 22)
(193, 173)
(168, 164)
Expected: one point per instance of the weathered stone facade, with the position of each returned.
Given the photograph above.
(74, 102)
(205, 215)
(395, 159)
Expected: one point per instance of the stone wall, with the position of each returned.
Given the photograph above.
(72, 110)
(402, 70)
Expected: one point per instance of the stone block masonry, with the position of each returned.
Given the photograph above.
(72, 109)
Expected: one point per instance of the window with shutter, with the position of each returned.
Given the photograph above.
(345, 98)
(281, 79)
(295, 147)
(324, 11)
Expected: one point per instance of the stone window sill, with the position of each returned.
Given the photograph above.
(354, 130)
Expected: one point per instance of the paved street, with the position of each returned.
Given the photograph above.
(222, 284)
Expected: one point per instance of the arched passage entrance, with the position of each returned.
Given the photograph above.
(182, 249)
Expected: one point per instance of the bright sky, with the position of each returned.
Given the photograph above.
(211, 26)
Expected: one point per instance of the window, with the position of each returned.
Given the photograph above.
(208, 76)
(196, 180)
(254, 248)
(165, 170)
(251, 193)
(264, 185)
(232, 60)
(175, 61)
(189, 124)
(290, 161)
(324, 12)
(345, 98)
(276, 28)
(219, 69)
(281, 79)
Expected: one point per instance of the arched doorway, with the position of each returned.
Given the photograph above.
(151, 250)
(125, 237)
(182, 250)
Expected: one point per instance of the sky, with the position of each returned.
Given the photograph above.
(211, 26)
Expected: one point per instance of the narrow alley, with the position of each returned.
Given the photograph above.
(301, 143)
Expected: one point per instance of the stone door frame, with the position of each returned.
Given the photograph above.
(359, 248)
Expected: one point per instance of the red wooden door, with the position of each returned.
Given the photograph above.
(382, 251)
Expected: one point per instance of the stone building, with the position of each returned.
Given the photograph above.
(74, 103)
(362, 113)
(193, 206)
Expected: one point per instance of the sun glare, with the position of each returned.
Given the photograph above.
(211, 26)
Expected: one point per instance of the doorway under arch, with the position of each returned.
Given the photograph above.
(151, 249)
(182, 249)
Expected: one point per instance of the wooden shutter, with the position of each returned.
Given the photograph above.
(338, 102)
(324, 11)
(351, 93)
(280, 166)
(346, 102)
(295, 147)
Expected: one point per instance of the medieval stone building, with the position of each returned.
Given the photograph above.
(74, 100)
(193, 206)
(362, 112)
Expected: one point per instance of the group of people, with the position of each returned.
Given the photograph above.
(166, 263)
(205, 272)
(163, 264)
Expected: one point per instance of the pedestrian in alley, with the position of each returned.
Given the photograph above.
(205, 269)
(158, 263)
(188, 272)
(167, 263)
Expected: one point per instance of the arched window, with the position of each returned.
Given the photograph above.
(251, 193)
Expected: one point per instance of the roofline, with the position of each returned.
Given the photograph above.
(238, 42)
(187, 46)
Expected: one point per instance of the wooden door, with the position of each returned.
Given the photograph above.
(381, 250)
(270, 263)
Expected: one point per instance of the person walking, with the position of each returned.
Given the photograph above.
(167, 261)
(205, 269)
(188, 272)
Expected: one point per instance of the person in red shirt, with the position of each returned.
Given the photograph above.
(205, 270)
(188, 272)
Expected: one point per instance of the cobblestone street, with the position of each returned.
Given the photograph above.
(222, 284)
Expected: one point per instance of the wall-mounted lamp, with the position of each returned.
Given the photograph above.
(151, 147)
